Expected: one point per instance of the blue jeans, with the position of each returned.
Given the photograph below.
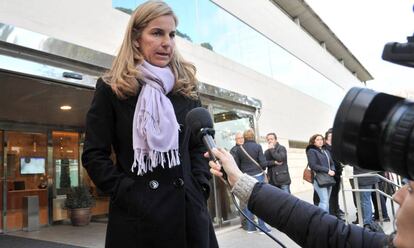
(250, 226)
(285, 188)
(324, 194)
(366, 204)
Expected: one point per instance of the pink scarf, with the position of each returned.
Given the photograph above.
(155, 127)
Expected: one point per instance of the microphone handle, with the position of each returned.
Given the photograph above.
(210, 144)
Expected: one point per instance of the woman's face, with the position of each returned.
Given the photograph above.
(157, 41)
(318, 141)
(405, 216)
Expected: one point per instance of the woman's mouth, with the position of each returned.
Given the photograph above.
(167, 55)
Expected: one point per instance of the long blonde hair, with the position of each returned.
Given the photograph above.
(123, 76)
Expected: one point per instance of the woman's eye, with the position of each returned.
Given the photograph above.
(172, 35)
(157, 33)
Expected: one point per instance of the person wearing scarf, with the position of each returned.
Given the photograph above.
(159, 180)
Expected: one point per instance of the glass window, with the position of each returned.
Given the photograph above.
(206, 24)
(66, 160)
(26, 175)
(227, 122)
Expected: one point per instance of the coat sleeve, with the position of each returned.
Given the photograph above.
(279, 154)
(262, 159)
(98, 141)
(314, 162)
(306, 224)
(199, 164)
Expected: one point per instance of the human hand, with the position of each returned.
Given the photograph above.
(331, 173)
(270, 145)
(227, 161)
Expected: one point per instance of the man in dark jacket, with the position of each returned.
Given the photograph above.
(278, 172)
(239, 141)
(334, 208)
(366, 205)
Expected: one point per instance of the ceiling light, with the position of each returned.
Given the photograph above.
(65, 107)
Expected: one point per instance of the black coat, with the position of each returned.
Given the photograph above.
(255, 151)
(365, 181)
(338, 165)
(278, 174)
(306, 224)
(318, 161)
(166, 206)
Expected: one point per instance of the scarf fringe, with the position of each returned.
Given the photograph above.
(147, 161)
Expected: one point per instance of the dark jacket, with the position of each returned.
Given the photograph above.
(166, 206)
(319, 161)
(278, 174)
(306, 224)
(255, 151)
(233, 150)
(365, 181)
(338, 166)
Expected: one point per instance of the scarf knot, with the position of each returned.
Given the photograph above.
(155, 127)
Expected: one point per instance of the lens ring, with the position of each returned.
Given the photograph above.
(397, 139)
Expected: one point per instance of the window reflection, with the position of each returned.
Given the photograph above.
(66, 159)
(204, 23)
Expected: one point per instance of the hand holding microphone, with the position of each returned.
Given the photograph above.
(227, 162)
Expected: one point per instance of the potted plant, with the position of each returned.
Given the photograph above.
(79, 202)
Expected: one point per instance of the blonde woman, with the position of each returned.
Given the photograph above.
(160, 180)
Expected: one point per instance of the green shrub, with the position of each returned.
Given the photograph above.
(79, 197)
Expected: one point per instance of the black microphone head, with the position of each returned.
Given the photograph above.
(197, 119)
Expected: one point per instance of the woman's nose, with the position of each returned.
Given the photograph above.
(400, 195)
(166, 41)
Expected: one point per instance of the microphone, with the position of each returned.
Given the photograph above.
(201, 125)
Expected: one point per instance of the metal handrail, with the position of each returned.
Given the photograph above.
(372, 174)
(378, 193)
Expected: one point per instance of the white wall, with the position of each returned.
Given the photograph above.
(91, 23)
(275, 25)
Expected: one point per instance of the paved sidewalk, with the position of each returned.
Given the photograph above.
(93, 235)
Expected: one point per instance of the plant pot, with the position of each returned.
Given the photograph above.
(80, 216)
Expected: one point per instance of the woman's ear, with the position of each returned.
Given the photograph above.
(136, 43)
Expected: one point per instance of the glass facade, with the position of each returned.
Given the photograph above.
(204, 23)
(66, 160)
(26, 175)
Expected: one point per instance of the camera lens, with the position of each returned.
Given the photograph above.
(375, 131)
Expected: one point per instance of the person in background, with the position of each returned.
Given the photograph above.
(367, 183)
(279, 171)
(320, 161)
(308, 225)
(334, 208)
(251, 160)
(160, 180)
(239, 139)
(383, 200)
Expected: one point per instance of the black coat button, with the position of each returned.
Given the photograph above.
(179, 182)
(153, 184)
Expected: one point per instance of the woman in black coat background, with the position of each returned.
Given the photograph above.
(160, 180)
(251, 160)
(320, 161)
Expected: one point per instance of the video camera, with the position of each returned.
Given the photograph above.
(375, 130)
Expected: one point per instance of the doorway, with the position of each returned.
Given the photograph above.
(229, 118)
